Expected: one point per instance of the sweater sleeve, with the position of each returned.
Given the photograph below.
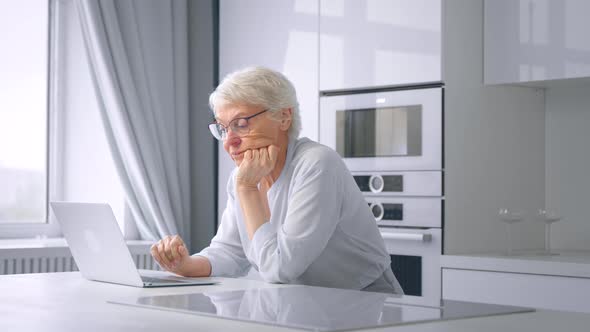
(225, 253)
(312, 216)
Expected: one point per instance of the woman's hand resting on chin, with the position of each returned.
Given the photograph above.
(256, 165)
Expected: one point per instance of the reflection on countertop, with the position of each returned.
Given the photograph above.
(315, 308)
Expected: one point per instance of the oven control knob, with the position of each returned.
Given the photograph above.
(377, 210)
(376, 183)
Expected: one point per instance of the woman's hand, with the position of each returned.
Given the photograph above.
(171, 253)
(257, 164)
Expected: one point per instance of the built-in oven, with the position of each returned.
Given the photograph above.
(411, 230)
(392, 142)
(415, 261)
(384, 130)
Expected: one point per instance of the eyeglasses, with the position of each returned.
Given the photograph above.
(237, 125)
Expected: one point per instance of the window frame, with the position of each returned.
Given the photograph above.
(48, 228)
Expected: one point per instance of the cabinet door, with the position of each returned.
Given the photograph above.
(528, 40)
(518, 289)
(367, 43)
(278, 34)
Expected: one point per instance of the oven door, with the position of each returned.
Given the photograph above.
(386, 131)
(415, 261)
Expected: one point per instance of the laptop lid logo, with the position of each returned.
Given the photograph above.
(92, 241)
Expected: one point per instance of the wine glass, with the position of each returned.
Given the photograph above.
(509, 217)
(548, 217)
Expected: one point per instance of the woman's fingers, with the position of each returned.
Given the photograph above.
(264, 156)
(167, 248)
(255, 155)
(273, 153)
(157, 252)
(162, 251)
(172, 244)
(154, 252)
(176, 244)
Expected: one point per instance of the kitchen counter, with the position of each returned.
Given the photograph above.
(567, 263)
(560, 282)
(67, 302)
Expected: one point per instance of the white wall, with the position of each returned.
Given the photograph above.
(494, 143)
(567, 158)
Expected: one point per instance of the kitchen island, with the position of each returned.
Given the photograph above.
(67, 302)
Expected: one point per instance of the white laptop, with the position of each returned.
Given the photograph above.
(99, 249)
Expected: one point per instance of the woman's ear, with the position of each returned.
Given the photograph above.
(286, 118)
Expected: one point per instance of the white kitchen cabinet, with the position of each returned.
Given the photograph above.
(368, 43)
(518, 289)
(536, 40)
(278, 34)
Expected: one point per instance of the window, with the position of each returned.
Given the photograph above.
(24, 34)
(52, 140)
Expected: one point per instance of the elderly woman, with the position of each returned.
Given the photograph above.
(294, 212)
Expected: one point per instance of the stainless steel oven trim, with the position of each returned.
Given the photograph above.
(407, 236)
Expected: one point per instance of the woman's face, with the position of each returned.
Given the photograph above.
(263, 130)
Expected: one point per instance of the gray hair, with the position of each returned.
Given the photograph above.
(259, 86)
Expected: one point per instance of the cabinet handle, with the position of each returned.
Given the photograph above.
(407, 236)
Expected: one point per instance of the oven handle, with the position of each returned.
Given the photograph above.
(407, 236)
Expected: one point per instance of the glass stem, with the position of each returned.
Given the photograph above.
(509, 246)
(548, 238)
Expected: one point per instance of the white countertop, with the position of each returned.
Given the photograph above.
(567, 263)
(67, 302)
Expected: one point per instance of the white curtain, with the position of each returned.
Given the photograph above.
(138, 55)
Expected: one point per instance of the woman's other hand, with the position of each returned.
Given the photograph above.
(257, 164)
(171, 253)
